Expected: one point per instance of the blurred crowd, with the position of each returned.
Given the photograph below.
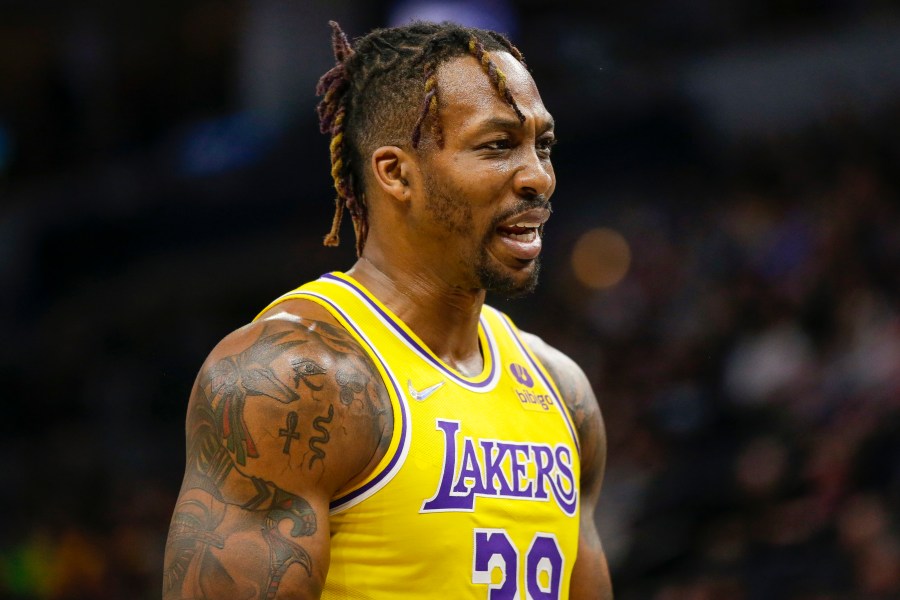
(747, 364)
(749, 372)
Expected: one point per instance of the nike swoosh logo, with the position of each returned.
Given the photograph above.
(420, 396)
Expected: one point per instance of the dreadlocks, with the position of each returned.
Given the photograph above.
(369, 99)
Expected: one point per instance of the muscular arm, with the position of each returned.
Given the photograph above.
(590, 577)
(284, 413)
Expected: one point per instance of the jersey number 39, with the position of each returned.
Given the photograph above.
(543, 566)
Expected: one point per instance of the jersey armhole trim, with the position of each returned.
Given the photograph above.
(282, 298)
(542, 372)
(398, 448)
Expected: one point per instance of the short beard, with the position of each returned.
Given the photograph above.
(491, 277)
(446, 206)
(493, 280)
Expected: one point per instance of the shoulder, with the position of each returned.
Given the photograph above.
(294, 393)
(274, 342)
(579, 398)
(569, 378)
(290, 350)
(286, 414)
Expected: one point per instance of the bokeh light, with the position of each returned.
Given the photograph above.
(601, 258)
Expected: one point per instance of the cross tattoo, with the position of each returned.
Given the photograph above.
(290, 432)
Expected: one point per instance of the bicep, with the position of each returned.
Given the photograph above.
(242, 527)
(279, 419)
(274, 545)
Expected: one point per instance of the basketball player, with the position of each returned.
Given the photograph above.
(382, 433)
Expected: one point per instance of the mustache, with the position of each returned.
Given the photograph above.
(525, 204)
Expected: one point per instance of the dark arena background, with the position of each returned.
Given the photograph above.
(724, 263)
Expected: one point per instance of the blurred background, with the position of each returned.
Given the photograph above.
(723, 261)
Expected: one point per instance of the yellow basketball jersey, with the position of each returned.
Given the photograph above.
(478, 495)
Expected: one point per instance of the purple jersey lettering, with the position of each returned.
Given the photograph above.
(500, 469)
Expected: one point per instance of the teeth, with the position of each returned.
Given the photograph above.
(524, 237)
(527, 224)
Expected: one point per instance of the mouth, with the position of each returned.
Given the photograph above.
(521, 234)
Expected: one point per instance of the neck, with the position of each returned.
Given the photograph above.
(443, 316)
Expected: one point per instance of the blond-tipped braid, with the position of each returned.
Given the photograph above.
(332, 111)
(497, 77)
(429, 108)
(337, 174)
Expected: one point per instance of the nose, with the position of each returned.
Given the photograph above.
(534, 177)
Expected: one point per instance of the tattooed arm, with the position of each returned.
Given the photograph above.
(590, 577)
(284, 413)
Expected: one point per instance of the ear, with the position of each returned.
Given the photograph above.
(393, 167)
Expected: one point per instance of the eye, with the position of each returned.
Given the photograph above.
(545, 145)
(500, 144)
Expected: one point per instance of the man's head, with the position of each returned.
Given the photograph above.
(456, 111)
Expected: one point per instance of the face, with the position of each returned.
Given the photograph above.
(486, 192)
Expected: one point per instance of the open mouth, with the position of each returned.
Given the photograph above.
(521, 235)
(525, 231)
